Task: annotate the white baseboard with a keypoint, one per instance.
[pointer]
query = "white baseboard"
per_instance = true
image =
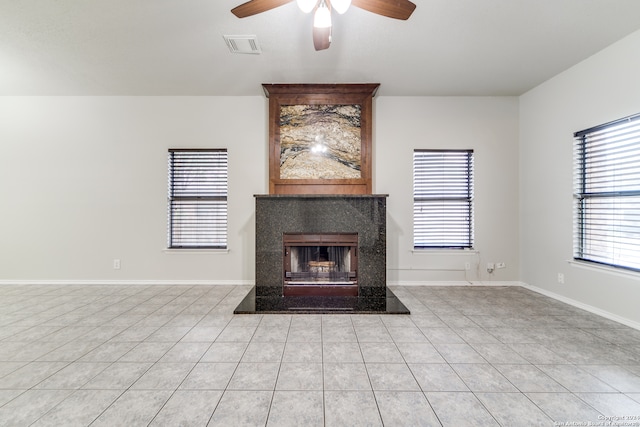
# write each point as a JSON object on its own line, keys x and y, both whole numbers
{"x": 129, "y": 282}
{"x": 454, "y": 283}
{"x": 583, "y": 306}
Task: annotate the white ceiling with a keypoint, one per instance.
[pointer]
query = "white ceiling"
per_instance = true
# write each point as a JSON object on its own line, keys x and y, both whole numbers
{"x": 176, "y": 47}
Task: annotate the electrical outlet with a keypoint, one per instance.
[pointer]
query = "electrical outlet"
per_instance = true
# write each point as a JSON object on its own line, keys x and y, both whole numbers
{"x": 490, "y": 267}
{"x": 500, "y": 265}
{"x": 116, "y": 264}
{"x": 467, "y": 266}
{"x": 560, "y": 278}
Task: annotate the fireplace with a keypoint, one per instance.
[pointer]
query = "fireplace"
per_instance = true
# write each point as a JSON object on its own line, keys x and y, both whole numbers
{"x": 320, "y": 264}
{"x": 295, "y": 233}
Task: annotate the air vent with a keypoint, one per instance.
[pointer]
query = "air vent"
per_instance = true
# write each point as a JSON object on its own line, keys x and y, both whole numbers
{"x": 243, "y": 44}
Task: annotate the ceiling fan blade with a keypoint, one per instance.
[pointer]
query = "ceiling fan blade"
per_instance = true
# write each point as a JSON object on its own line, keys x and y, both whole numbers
{"x": 253, "y": 7}
{"x": 398, "y": 9}
{"x": 321, "y": 38}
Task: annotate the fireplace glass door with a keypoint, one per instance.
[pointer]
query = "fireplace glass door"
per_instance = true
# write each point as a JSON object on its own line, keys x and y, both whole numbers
{"x": 320, "y": 264}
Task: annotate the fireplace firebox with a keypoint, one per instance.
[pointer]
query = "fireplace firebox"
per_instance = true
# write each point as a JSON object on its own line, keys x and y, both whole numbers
{"x": 320, "y": 264}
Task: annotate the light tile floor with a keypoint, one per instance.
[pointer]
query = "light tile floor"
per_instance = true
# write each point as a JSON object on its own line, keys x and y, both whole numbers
{"x": 176, "y": 355}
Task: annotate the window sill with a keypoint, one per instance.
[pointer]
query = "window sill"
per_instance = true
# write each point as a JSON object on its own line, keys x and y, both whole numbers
{"x": 444, "y": 251}
{"x": 196, "y": 251}
{"x": 605, "y": 269}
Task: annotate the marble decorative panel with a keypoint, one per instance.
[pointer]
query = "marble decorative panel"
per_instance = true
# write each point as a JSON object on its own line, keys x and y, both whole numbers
{"x": 320, "y": 141}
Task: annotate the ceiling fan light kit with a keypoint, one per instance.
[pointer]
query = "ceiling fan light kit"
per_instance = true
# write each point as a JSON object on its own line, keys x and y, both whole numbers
{"x": 341, "y": 6}
{"x": 397, "y": 9}
{"x": 322, "y": 17}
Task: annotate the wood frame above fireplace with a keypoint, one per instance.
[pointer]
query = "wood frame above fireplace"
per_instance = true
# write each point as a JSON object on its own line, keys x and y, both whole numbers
{"x": 358, "y": 96}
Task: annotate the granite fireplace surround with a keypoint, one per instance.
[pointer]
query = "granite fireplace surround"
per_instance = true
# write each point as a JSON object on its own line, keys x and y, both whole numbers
{"x": 278, "y": 214}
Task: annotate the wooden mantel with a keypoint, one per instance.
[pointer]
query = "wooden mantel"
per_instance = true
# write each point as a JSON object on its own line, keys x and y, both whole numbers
{"x": 309, "y": 90}
{"x": 284, "y": 98}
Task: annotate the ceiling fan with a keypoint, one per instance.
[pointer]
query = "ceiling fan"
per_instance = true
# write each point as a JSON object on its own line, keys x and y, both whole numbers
{"x": 398, "y": 9}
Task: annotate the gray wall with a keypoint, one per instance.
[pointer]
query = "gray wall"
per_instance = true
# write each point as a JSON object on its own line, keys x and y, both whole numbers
{"x": 487, "y": 125}
{"x": 600, "y": 89}
{"x": 85, "y": 182}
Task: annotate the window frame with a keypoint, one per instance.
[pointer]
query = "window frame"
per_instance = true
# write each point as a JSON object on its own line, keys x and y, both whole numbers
{"x": 464, "y": 241}
{"x": 604, "y": 202}
{"x": 208, "y": 197}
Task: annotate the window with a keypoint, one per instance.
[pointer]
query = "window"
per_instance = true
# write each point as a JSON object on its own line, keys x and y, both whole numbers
{"x": 607, "y": 194}
{"x": 197, "y": 199}
{"x": 442, "y": 199}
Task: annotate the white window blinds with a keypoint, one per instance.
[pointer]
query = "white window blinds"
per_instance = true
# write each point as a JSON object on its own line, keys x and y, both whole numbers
{"x": 197, "y": 199}
{"x": 443, "y": 199}
{"x": 607, "y": 194}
